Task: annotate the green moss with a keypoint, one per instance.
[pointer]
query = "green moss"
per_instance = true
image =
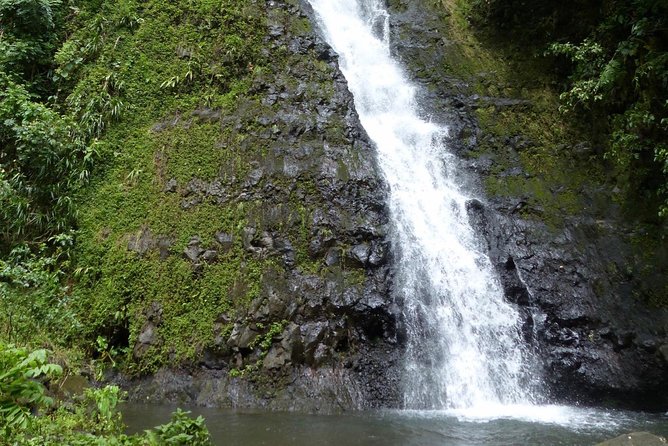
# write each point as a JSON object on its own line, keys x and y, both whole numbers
{"x": 189, "y": 115}
{"x": 552, "y": 175}
{"x": 176, "y": 59}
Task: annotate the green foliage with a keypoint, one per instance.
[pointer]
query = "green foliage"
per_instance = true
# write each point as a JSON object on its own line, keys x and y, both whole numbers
{"x": 20, "y": 391}
{"x": 620, "y": 75}
{"x": 40, "y": 166}
{"x": 160, "y": 61}
{"x": 28, "y": 38}
{"x": 613, "y": 57}
{"x": 265, "y": 341}
{"x": 34, "y": 304}
{"x": 530, "y": 25}
{"x": 92, "y": 420}
{"x": 182, "y": 430}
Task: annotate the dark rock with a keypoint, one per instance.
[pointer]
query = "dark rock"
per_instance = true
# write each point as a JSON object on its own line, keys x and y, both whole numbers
{"x": 360, "y": 254}
{"x": 664, "y": 352}
{"x": 171, "y": 186}
{"x": 142, "y": 242}
{"x": 291, "y": 341}
{"x": 635, "y": 439}
{"x": 226, "y": 241}
{"x": 207, "y": 114}
{"x": 193, "y": 251}
{"x": 378, "y": 254}
{"x": 147, "y": 338}
{"x": 276, "y": 358}
{"x": 241, "y": 337}
{"x": 333, "y": 257}
{"x": 209, "y": 256}
{"x": 312, "y": 334}
{"x": 154, "y": 313}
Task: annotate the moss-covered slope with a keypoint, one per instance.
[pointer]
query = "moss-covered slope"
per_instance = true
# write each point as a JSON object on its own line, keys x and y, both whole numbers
{"x": 236, "y": 220}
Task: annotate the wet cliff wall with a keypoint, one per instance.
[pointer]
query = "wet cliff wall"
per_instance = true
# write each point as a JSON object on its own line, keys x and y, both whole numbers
{"x": 232, "y": 247}
{"x": 579, "y": 255}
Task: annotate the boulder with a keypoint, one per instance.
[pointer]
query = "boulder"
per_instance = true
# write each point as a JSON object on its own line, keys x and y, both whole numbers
{"x": 193, "y": 251}
{"x": 635, "y": 439}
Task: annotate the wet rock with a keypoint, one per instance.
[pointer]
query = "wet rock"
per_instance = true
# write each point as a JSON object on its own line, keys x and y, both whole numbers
{"x": 254, "y": 177}
{"x": 333, "y": 257}
{"x": 276, "y": 358}
{"x": 291, "y": 341}
{"x": 193, "y": 250}
{"x": 312, "y": 334}
{"x": 321, "y": 355}
{"x": 664, "y": 352}
{"x": 171, "y": 186}
{"x": 378, "y": 254}
{"x": 635, "y": 439}
{"x": 360, "y": 254}
{"x": 241, "y": 337}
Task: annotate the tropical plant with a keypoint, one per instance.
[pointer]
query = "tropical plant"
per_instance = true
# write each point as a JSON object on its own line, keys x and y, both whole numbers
{"x": 28, "y": 38}
{"x": 40, "y": 166}
{"x": 620, "y": 77}
{"x": 182, "y": 430}
{"x": 93, "y": 419}
{"x": 20, "y": 390}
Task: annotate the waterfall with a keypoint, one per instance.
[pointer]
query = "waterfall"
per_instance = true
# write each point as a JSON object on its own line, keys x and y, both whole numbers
{"x": 464, "y": 346}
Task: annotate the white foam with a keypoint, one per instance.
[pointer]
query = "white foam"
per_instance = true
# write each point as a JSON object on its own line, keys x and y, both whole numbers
{"x": 574, "y": 418}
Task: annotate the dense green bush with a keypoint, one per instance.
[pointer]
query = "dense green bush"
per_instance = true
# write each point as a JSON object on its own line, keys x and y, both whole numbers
{"x": 613, "y": 60}
{"x": 30, "y": 31}
{"x": 20, "y": 392}
{"x": 620, "y": 77}
{"x": 40, "y": 166}
{"x": 34, "y": 305}
{"x": 29, "y": 417}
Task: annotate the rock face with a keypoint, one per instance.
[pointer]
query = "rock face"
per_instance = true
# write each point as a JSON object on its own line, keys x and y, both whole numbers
{"x": 321, "y": 335}
{"x": 581, "y": 302}
{"x": 635, "y": 439}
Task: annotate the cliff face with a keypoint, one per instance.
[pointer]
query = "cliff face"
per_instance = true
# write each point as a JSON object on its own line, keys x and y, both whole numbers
{"x": 588, "y": 276}
{"x": 236, "y": 240}
{"x": 243, "y": 259}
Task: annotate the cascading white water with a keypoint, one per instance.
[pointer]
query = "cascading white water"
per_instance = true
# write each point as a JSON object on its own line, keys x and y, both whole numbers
{"x": 464, "y": 344}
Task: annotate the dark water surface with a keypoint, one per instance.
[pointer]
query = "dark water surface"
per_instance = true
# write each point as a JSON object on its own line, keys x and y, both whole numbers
{"x": 547, "y": 425}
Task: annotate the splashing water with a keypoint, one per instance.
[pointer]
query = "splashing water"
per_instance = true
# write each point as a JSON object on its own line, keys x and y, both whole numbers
{"x": 464, "y": 344}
